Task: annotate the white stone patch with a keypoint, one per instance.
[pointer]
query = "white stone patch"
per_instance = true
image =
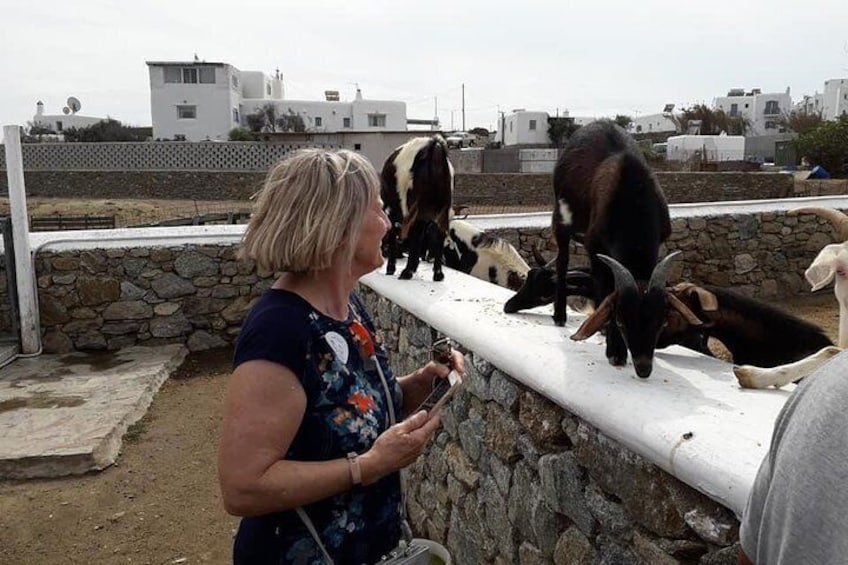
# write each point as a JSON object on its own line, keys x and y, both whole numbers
{"x": 565, "y": 212}
{"x": 403, "y": 168}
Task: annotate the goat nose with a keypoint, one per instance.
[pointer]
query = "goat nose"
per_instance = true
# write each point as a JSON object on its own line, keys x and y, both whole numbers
{"x": 643, "y": 366}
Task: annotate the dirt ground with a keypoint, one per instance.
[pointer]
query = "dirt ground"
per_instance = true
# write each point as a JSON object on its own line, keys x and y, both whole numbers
{"x": 160, "y": 503}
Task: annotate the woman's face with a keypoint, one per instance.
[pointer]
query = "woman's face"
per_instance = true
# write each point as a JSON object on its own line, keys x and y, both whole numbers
{"x": 368, "y": 255}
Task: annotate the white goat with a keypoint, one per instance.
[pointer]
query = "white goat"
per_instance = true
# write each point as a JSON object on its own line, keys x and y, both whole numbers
{"x": 830, "y": 265}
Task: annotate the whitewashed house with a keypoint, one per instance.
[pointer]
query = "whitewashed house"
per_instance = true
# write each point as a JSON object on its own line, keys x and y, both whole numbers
{"x": 199, "y": 100}
{"x": 831, "y": 103}
{"x": 709, "y": 148}
{"x": 762, "y": 110}
{"x": 525, "y": 128}
{"x": 652, "y": 123}
{"x": 69, "y": 118}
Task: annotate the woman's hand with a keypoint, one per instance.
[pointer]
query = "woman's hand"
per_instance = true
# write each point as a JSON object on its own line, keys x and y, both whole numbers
{"x": 398, "y": 446}
{"x": 418, "y": 385}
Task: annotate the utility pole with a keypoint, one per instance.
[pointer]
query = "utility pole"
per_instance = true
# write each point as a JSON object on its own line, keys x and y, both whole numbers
{"x": 435, "y": 113}
{"x": 463, "y": 106}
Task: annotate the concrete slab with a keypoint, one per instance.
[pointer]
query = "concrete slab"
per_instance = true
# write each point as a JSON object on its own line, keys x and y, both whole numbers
{"x": 66, "y": 414}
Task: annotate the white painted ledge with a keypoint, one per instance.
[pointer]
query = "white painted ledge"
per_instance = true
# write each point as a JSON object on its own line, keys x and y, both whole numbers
{"x": 686, "y": 393}
{"x": 687, "y": 210}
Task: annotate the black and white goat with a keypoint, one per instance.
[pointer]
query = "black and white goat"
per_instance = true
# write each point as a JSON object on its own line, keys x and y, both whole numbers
{"x": 417, "y": 191}
{"x": 605, "y": 190}
{"x": 830, "y": 265}
{"x": 480, "y": 254}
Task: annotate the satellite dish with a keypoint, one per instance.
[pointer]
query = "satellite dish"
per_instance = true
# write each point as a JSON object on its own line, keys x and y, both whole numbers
{"x": 74, "y": 104}
{"x": 66, "y": 110}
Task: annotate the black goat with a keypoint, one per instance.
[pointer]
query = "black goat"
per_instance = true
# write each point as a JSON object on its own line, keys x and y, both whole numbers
{"x": 754, "y": 332}
{"x": 417, "y": 189}
{"x": 605, "y": 190}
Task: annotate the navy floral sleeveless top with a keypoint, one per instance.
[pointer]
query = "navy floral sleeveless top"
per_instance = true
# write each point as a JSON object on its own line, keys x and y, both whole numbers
{"x": 346, "y": 410}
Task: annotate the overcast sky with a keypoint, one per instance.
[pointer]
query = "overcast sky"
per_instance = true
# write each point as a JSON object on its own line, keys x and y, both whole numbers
{"x": 592, "y": 58}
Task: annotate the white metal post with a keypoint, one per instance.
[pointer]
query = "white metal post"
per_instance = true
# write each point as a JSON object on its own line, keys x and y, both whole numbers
{"x": 27, "y": 303}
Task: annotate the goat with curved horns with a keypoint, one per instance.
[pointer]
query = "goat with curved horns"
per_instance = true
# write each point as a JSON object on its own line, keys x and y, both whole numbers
{"x": 604, "y": 189}
{"x": 638, "y": 312}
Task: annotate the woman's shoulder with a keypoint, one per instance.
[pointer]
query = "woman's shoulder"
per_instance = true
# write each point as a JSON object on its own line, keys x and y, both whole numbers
{"x": 278, "y": 306}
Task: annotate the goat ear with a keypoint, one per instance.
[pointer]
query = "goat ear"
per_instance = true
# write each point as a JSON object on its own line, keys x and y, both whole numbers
{"x": 684, "y": 310}
{"x": 823, "y": 268}
{"x": 596, "y": 320}
{"x": 708, "y": 300}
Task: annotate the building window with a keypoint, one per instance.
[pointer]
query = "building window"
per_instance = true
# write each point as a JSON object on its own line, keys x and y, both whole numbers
{"x": 771, "y": 125}
{"x": 186, "y": 112}
{"x": 268, "y": 89}
{"x": 173, "y": 74}
{"x": 318, "y": 121}
{"x": 377, "y": 120}
{"x": 771, "y": 108}
{"x": 532, "y": 125}
{"x": 357, "y": 147}
{"x": 58, "y": 126}
{"x": 746, "y": 105}
{"x": 189, "y": 76}
{"x": 235, "y": 82}
{"x": 734, "y": 110}
{"x": 235, "y": 115}
{"x": 510, "y": 127}
{"x": 345, "y": 122}
{"x": 207, "y": 75}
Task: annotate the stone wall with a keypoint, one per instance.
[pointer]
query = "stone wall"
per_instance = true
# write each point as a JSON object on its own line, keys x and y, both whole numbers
{"x": 99, "y": 299}
{"x": 109, "y": 299}
{"x": 761, "y": 255}
{"x": 505, "y": 189}
{"x": 514, "y": 478}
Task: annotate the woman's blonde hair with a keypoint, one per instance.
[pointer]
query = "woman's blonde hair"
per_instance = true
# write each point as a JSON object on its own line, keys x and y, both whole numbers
{"x": 312, "y": 205}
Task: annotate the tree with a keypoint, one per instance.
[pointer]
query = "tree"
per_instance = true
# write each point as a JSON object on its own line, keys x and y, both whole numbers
{"x": 712, "y": 122}
{"x": 560, "y": 129}
{"x": 243, "y": 134}
{"x": 265, "y": 119}
{"x": 800, "y": 122}
{"x": 106, "y": 130}
{"x": 623, "y": 121}
{"x": 33, "y": 133}
{"x": 827, "y": 145}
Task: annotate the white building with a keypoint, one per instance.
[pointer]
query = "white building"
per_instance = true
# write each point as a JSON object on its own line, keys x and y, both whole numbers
{"x": 57, "y": 123}
{"x": 198, "y": 101}
{"x": 652, "y": 123}
{"x": 711, "y": 148}
{"x": 832, "y": 103}
{"x": 762, "y": 110}
{"x": 525, "y": 128}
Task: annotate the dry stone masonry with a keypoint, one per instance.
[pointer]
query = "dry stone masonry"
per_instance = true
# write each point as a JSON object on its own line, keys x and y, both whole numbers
{"x": 514, "y": 478}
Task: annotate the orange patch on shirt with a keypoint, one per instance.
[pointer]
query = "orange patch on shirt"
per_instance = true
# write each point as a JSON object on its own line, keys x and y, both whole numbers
{"x": 361, "y": 401}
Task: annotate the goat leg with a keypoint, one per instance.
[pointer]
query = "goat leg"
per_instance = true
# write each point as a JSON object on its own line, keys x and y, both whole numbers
{"x": 563, "y": 238}
{"x": 750, "y": 376}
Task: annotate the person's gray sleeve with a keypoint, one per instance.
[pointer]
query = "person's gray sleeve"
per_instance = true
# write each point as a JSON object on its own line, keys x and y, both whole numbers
{"x": 797, "y": 511}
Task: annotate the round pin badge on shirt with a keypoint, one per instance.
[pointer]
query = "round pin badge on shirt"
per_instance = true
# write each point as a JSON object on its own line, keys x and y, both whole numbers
{"x": 339, "y": 346}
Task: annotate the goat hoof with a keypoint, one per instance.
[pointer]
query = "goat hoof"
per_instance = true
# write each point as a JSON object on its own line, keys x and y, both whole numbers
{"x": 390, "y": 270}
{"x": 438, "y": 276}
{"x": 405, "y": 275}
{"x": 560, "y": 323}
{"x": 617, "y": 361}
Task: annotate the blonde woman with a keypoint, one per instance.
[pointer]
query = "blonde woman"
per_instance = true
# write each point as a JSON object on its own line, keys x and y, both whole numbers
{"x": 307, "y": 420}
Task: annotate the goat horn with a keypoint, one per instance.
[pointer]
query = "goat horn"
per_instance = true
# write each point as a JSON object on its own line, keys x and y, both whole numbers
{"x": 837, "y": 218}
{"x": 660, "y": 273}
{"x": 684, "y": 310}
{"x": 623, "y": 278}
